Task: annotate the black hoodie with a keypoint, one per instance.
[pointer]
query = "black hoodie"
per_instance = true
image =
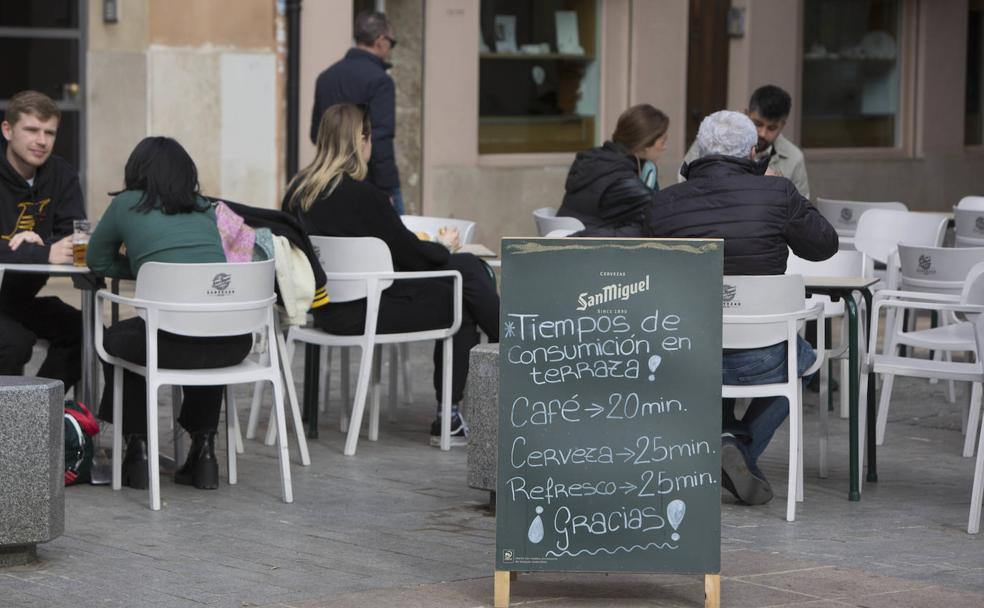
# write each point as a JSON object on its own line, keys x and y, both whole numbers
{"x": 47, "y": 208}
{"x": 603, "y": 187}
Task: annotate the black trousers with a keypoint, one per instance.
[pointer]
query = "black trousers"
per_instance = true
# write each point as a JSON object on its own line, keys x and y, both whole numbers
{"x": 201, "y": 405}
{"x": 415, "y": 305}
{"x": 48, "y": 318}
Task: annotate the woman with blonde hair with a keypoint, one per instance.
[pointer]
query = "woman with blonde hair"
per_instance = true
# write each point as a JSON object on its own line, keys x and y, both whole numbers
{"x": 331, "y": 198}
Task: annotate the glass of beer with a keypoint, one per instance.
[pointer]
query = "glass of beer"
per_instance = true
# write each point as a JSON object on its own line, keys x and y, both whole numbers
{"x": 80, "y": 240}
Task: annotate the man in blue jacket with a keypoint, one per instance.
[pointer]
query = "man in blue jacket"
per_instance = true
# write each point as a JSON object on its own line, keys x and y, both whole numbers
{"x": 361, "y": 78}
{"x": 39, "y": 198}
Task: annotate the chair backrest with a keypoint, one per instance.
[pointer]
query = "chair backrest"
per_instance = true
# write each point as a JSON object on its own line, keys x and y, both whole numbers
{"x": 431, "y": 225}
{"x": 881, "y": 230}
{"x": 759, "y": 295}
{"x": 547, "y": 220}
{"x": 844, "y": 263}
{"x": 937, "y": 269}
{"x": 844, "y": 215}
{"x": 968, "y": 226}
{"x": 361, "y": 254}
{"x": 971, "y": 202}
{"x": 209, "y": 284}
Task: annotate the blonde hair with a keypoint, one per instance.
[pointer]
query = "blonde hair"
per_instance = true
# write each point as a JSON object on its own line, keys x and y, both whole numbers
{"x": 340, "y": 134}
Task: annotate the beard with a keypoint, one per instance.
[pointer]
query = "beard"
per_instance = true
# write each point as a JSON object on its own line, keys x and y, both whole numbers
{"x": 762, "y": 146}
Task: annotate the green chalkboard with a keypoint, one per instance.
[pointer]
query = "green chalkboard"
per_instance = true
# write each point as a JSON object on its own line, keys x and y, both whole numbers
{"x": 610, "y": 406}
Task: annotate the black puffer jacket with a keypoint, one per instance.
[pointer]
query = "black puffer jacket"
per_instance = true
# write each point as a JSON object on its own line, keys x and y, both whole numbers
{"x": 758, "y": 216}
{"x": 603, "y": 187}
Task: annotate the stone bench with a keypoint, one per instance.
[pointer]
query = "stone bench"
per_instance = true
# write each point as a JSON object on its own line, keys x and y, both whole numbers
{"x": 32, "y": 466}
{"x": 482, "y": 414}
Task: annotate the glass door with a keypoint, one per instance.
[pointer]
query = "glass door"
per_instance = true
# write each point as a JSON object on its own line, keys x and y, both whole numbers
{"x": 42, "y": 45}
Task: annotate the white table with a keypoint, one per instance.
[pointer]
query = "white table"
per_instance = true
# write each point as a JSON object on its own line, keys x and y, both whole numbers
{"x": 87, "y": 390}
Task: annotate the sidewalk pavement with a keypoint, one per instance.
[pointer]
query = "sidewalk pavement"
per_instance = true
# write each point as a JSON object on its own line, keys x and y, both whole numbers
{"x": 396, "y": 525}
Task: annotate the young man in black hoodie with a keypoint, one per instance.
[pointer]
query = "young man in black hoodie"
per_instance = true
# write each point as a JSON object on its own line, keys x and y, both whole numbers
{"x": 39, "y": 198}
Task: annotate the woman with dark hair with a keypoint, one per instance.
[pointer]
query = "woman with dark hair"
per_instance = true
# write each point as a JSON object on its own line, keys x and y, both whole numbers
{"x": 331, "y": 199}
{"x": 607, "y": 186}
{"x": 160, "y": 216}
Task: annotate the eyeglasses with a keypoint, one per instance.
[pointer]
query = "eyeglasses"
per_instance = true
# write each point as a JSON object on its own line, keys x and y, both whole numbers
{"x": 392, "y": 41}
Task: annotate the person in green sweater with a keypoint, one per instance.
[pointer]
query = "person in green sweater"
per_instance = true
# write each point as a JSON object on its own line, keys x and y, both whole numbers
{"x": 160, "y": 216}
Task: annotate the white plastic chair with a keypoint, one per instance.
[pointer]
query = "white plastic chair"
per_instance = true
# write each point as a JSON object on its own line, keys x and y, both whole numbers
{"x": 841, "y": 264}
{"x": 201, "y": 300}
{"x": 765, "y": 310}
{"x": 938, "y": 276}
{"x": 843, "y": 215}
{"x": 968, "y": 227}
{"x": 968, "y": 306}
{"x": 431, "y": 225}
{"x": 547, "y": 220}
{"x": 559, "y": 234}
{"x": 975, "y": 203}
{"x": 361, "y": 268}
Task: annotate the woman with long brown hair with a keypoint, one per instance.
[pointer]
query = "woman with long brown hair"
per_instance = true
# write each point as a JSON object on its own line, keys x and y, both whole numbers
{"x": 608, "y": 185}
{"x": 331, "y": 199}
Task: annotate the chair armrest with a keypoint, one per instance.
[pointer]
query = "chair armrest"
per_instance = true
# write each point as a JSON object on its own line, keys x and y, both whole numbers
{"x": 912, "y": 305}
{"x": 803, "y": 314}
{"x": 923, "y": 296}
{"x": 384, "y": 276}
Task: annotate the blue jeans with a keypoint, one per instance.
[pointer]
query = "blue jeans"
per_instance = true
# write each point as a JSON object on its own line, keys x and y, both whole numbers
{"x": 397, "y": 197}
{"x": 765, "y": 365}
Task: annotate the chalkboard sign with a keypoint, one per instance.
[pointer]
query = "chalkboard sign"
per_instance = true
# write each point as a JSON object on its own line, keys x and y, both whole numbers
{"x": 610, "y": 406}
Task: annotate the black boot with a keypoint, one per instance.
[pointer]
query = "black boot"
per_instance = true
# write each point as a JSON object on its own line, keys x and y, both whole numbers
{"x": 200, "y": 469}
{"x": 135, "y": 462}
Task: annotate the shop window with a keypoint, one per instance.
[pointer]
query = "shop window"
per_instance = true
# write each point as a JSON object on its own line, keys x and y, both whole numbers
{"x": 538, "y": 76}
{"x": 973, "y": 125}
{"x": 851, "y": 69}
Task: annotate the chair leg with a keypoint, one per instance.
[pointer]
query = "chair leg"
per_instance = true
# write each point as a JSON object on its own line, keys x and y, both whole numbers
{"x": 324, "y": 392}
{"x": 345, "y": 373}
{"x": 117, "y": 427}
{"x": 238, "y": 430}
{"x": 822, "y": 409}
{"x": 295, "y": 410}
{"x": 799, "y": 455}
{"x": 394, "y": 381}
{"x": 791, "y": 490}
{"x": 405, "y": 371}
{"x": 153, "y": 448}
{"x": 282, "y": 455}
{"x": 359, "y": 405}
{"x": 230, "y": 412}
{"x": 446, "y": 396}
{"x": 972, "y": 420}
{"x": 974, "y": 519}
{"x": 883, "y": 402}
{"x": 374, "y": 388}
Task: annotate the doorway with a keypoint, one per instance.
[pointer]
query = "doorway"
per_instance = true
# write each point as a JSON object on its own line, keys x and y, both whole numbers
{"x": 707, "y": 62}
{"x": 42, "y": 43}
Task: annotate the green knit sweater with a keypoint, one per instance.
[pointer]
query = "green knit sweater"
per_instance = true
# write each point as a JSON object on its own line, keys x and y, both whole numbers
{"x": 189, "y": 238}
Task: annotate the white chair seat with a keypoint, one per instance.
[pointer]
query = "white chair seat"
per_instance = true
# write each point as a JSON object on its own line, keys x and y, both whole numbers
{"x": 959, "y": 337}
{"x": 926, "y": 368}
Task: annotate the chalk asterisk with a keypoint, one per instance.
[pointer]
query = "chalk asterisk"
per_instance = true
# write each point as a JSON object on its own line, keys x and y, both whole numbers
{"x": 510, "y": 329}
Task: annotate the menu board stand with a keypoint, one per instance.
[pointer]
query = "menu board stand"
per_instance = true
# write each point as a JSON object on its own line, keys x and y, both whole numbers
{"x": 610, "y": 409}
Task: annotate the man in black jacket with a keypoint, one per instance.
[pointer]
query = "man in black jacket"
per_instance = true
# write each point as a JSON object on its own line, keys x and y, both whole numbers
{"x": 760, "y": 218}
{"x": 361, "y": 78}
{"x": 39, "y": 198}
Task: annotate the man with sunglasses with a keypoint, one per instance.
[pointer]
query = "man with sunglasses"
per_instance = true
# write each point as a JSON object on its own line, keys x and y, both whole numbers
{"x": 361, "y": 78}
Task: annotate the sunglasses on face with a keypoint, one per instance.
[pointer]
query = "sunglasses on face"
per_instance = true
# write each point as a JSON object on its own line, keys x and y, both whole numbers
{"x": 392, "y": 41}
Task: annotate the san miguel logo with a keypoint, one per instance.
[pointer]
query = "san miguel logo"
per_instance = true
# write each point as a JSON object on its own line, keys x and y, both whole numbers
{"x": 979, "y": 224}
{"x": 612, "y": 292}
{"x": 846, "y": 214}
{"x": 728, "y": 296}
{"x": 926, "y": 264}
{"x": 220, "y": 285}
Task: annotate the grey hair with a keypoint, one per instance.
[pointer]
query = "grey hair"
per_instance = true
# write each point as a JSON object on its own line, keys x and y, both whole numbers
{"x": 369, "y": 27}
{"x": 727, "y": 133}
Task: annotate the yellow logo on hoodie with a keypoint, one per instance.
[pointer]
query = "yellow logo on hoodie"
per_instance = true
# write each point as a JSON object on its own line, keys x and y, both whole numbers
{"x": 27, "y": 219}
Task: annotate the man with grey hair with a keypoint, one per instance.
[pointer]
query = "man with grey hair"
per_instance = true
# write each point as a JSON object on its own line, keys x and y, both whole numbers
{"x": 760, "y": 218}
{"x": 360, "y": 78}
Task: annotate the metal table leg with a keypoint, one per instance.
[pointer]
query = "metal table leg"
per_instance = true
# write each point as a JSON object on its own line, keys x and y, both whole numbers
{"x": 852, "y": 315}
{"x": 870, "y": 439}
{"x": 312, "y": 373}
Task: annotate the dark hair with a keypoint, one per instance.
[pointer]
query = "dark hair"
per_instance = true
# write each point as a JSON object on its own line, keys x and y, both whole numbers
{"x": 770, "y": 102}
{"x": 164, "y": 171}
{"x": 369, "y": 27}
{"x": 31, "y": 102}
{"x": 639, "y": 127}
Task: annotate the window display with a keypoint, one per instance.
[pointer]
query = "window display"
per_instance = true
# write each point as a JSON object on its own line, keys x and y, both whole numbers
{"x": 538, "y": 76}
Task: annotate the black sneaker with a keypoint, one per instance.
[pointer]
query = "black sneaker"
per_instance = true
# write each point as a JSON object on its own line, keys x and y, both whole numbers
{"x": 739, "y": 479}
{"x": 459, "y": 431}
